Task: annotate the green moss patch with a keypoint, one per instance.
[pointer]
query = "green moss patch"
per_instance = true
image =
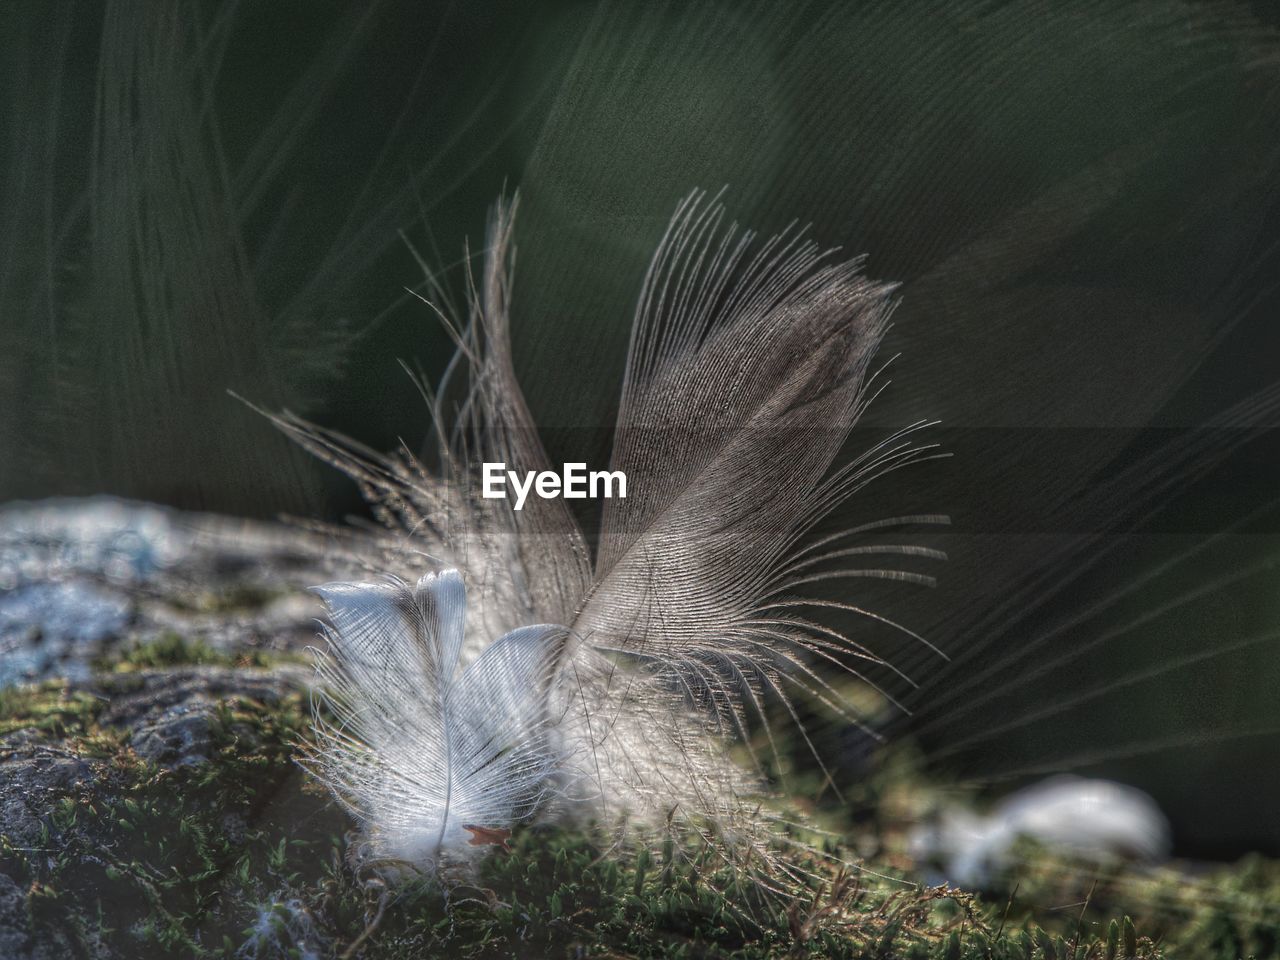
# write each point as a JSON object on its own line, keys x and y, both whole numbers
{"x": 48, "y": 708}
{"x": 239, "y": 855}
{"x": 171, "y": 649}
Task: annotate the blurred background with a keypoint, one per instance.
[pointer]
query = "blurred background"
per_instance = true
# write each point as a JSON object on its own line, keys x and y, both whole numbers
{"x": 1079, "y": 199}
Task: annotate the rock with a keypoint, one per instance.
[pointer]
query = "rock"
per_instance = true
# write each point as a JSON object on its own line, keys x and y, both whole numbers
{"x": 1095, "y": 821}
{"x": 137, "y": 696}
{"x": 178, "y": 736}
{"x": 15, "y": 930}
{"x": 31, "y": 778}
{"x": 82, "y": 579}
{"x": 286, "y": 622}
{"x": 18, "y": 821}
{"x": 87, "y": 832}
{"x": 56, "y": 629}
{"x": 97, "y": 537}
{"x": 86, "y": 826}
{"x": 173, "y": 715}
{"x": 21, "y": 939}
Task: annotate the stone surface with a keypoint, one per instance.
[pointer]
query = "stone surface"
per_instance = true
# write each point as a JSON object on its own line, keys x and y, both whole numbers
{"x": 31, "y": 778}
{"x": 15, "y": 936}
{"x": 55, "y": 628}
{"x": 84, "y": 586}
{"x": 171, "y": 715}
{"x": 80, "y": 580}
{"x": 173, "y": 720}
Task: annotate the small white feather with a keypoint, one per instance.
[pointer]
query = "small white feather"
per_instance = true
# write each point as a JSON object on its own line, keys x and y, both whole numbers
{"x": 427, "y": 752}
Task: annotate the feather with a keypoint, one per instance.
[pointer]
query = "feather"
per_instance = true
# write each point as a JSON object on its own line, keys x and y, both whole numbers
{"x": 743, "y": 381}
{"x": 425, "y": 750}
{"x": 749, "y": 365}
{"x": 747, "y": 369}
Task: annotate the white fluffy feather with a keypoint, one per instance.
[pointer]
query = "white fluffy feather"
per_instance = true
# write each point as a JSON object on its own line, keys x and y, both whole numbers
{"x": 424, "y": 748}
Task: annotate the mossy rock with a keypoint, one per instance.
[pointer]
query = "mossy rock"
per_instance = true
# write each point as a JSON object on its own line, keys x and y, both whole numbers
{"x": 158, "y": 811}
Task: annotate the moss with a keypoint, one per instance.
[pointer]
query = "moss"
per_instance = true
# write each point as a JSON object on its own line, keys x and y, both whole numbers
{"x": 242, "y": 856}
{"x": 50, "y": 708}
{"x": 171, "y": 649}
{"x": 170, "y": 857}
{"x": 233, "y": 598}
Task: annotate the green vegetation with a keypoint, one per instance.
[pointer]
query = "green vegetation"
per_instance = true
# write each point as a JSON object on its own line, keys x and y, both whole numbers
{"x": 231, "y": 598}
{"x": 172, "y": 649}
{"x": 49, "y": 708}
{"x": 242, "y": 856}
